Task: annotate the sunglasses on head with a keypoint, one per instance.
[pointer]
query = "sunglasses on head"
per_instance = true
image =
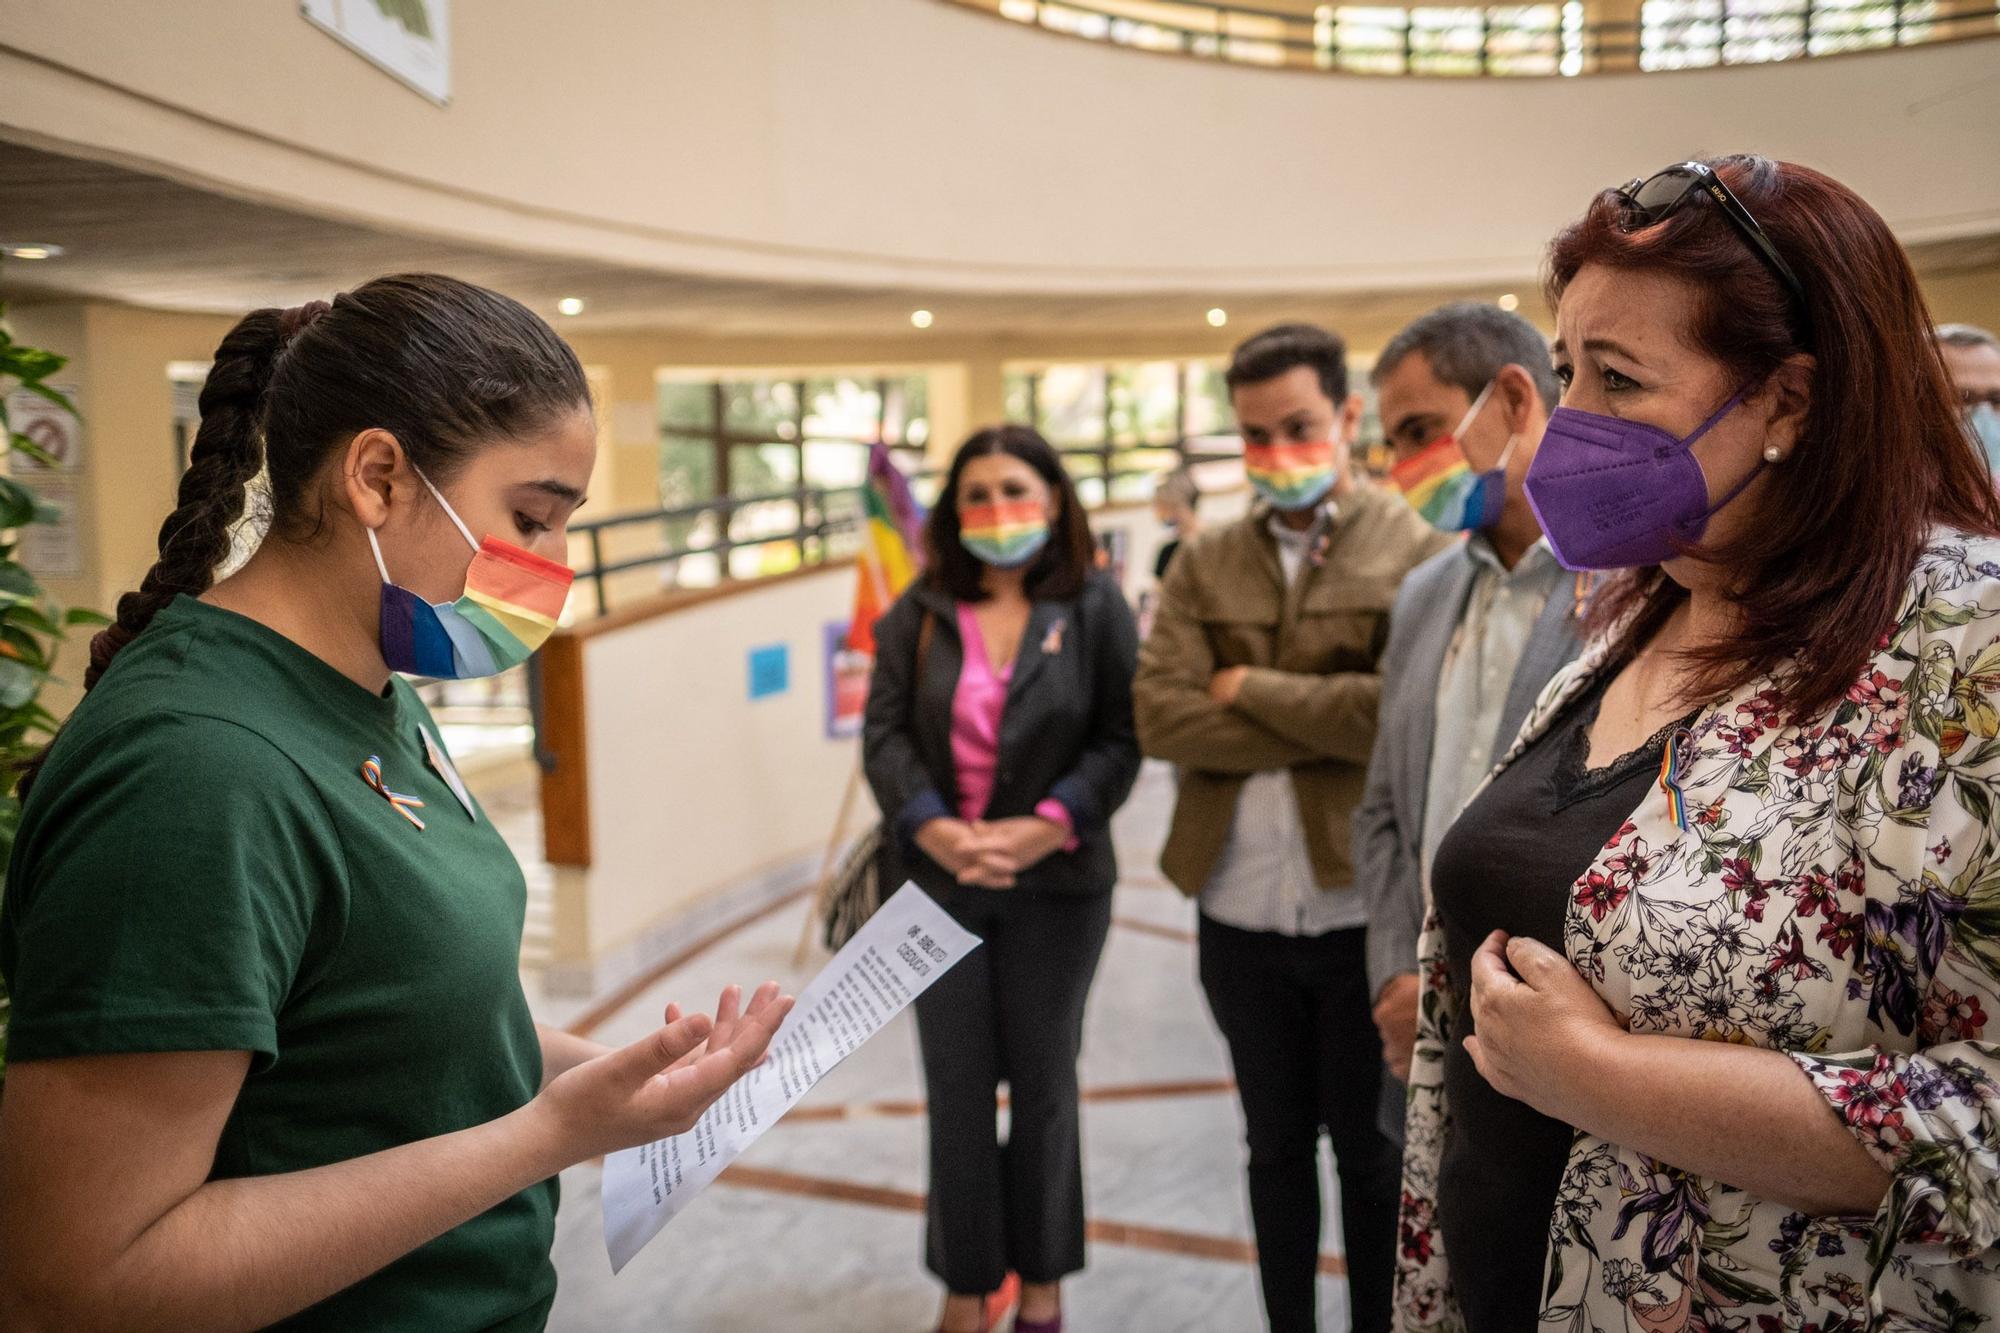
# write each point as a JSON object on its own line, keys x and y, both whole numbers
{"x": 1659, "y": 195}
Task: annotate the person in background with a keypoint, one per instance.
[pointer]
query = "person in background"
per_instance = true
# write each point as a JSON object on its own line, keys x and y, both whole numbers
{"x": 270, "y": 1061}
{"x": 998, "y": 742}
{"x": 1176, "y": 504}
{"x": 1261, "y": 680}
{"x": 1972, "y": 357}
{"x": 1477, "y": 629}
{"x": 1712, "y": 958}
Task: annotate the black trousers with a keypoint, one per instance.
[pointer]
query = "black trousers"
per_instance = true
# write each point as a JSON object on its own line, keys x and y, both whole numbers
{"x": 1296, "y": 1014}
{"x": 1012, "y": 1012}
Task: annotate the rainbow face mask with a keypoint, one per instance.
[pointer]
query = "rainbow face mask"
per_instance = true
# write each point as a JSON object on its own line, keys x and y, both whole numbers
{"x": 1005, "y": 535}
{"x": 1441, "y": 485}
{"x": 511, "y": 602}
{"x": 1291, "y": 476}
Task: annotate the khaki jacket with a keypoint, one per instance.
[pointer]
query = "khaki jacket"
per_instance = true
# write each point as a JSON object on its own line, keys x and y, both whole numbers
{"x": 1309, "y": 701}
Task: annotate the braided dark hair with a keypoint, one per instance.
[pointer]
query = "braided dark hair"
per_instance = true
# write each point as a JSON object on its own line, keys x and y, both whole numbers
{"x": 444, "y": 366}
{"x": 227, "y": 453}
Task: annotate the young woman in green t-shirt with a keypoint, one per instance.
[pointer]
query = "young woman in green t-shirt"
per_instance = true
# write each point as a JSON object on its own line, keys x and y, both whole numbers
{"x": 271, "y": 1061}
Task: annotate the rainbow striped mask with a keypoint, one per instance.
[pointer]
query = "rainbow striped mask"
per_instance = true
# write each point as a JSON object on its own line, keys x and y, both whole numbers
{"x": 1441, "y": 485}
{"x": 1290, "y": 476}
{"x": 1005, "y": 535}
{"x": 511, "y": 602}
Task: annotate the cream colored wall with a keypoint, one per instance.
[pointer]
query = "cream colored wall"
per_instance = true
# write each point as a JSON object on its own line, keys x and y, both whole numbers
{"x": 912, "y": 143}
{"x": 118, "y": 363}
{"x": 693, "y": 785}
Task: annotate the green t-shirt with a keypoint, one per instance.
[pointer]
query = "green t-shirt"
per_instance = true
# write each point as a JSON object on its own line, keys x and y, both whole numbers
{"x": 204, "y": 866}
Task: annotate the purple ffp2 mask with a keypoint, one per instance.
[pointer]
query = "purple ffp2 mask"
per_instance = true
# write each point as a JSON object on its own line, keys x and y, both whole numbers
{"x": 1617, "y": 494}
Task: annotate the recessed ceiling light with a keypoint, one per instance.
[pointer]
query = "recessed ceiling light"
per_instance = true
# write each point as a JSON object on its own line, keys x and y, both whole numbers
{"x": 1510, "y": 302}
{"x": 30, "y": 250}
{"x": 1217, "y": 317}
{"x": 921, "y": 318}
{"x": 570, "y": 305}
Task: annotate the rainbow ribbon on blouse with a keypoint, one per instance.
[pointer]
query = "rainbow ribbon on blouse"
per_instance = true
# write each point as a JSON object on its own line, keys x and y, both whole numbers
{"x": 1673, "y": 775}
{"x": 406, "y": 806}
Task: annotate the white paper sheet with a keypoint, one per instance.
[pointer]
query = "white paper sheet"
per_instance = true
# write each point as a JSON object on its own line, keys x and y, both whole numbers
{"x": 908, "y": 944}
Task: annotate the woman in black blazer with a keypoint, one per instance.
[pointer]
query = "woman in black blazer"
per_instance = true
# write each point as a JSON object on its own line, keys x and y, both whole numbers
{"x": 997, "y": 761}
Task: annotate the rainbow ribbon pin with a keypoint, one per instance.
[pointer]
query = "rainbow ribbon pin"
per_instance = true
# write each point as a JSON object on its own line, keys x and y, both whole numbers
{"x": 406, "y": 806}
{"x": 1673, "y": 773}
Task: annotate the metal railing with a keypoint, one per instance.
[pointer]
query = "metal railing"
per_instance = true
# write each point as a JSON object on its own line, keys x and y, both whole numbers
{"x": 1522, "y": 40}
{"x": 825, "y": 526}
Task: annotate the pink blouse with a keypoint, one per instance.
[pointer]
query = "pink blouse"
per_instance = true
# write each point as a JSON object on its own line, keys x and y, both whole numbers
{"x": 976, "y": 706}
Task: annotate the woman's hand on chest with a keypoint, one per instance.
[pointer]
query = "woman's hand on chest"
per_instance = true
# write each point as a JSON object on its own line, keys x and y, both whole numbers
{"x": 1540, "y": 1030}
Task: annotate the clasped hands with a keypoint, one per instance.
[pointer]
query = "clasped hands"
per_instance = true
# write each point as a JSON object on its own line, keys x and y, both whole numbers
{"x": 989, "y": 854}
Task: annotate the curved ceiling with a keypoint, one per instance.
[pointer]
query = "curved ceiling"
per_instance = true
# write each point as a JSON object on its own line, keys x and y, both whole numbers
{"x": 911, "y": 145}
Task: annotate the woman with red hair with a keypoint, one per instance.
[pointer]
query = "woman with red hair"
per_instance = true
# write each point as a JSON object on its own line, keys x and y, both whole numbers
{"x": 1710, "y": 957}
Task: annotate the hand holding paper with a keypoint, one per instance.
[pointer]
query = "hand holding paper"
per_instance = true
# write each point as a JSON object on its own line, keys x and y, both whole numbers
{"x": 905, "y": 947}
{"x": 662, "y": 1084}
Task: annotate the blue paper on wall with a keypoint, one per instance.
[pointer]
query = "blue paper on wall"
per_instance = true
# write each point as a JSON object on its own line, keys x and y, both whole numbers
{"x": 770, "y": 670}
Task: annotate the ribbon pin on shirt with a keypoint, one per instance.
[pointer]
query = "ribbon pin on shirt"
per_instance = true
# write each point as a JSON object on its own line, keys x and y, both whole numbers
{"x": 406, "y": 806}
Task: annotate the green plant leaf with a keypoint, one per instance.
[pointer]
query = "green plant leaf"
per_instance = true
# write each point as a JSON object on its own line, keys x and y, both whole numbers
{"x": 83, "y": 615}
{"x": 17, "y": 580}
{"x": 18, "y": 683}
{"x": 21, "y": 444}
{"x": 29, "y": 364}
{"x": 17, "y": 504}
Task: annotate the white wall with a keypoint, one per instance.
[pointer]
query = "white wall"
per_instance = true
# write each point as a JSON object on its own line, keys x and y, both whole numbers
{"x": 913, "y": 142}
{"x": 694, "y": 787}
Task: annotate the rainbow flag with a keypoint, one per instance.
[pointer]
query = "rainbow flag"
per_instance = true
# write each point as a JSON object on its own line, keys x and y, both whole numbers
{"x": 891, "y": 543}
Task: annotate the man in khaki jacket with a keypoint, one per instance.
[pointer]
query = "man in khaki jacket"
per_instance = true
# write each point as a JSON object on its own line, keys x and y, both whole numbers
{"x": 1260, "y": 682}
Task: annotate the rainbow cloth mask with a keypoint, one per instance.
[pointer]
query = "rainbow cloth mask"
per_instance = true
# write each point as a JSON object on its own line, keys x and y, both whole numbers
{"x": 1006, "y": 535}
{"x": 509, "y": 608}
{"x": 1290, "y": 476}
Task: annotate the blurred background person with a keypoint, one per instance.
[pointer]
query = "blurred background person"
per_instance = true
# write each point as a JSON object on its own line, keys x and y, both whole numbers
{"x": 1260, "y": 681}
{"x": 1478, "y": 629}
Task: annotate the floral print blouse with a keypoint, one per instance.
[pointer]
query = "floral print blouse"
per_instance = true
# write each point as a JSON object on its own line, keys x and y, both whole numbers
{"x": 1836, "y": 896}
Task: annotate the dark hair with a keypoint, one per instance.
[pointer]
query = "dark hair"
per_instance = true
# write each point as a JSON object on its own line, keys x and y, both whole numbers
{"x": 1269, "y": 354}
{"x": 1065, "y": 562}
{"x": 1467, "y": 343}
{"x": 442, "y": 365}
{"x": 1881, "y": 458}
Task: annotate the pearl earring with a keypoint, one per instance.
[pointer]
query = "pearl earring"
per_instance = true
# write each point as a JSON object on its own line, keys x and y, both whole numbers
{"x": 1773, "y": 454}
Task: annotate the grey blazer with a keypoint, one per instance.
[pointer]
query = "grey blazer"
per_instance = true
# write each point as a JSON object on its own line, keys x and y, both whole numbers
{"x": 1389, "y": 822}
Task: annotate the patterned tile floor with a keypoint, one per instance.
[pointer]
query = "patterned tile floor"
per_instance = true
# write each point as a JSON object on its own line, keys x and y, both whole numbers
{"x": 820, "y": 1225}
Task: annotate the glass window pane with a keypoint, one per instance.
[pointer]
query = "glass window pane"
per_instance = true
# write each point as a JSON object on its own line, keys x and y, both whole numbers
{"x": 1019, "y": 395}
{"x": 1369, "y": 38}
{"x": 836, "y": 464}
{"x": 845, "y": 408}
{"x": 1071, "y": 403}
{"x": 687, "y": 470}
{"x": 906, "y": 411}
{"x": 1679, "y": 34}
{"x": 1208, "y": 401}
{"x": 688, "y": 404}
{"x": 763, "y": 469}
{"x": 1145, "y": 403}
{"x": 761, "y": 407}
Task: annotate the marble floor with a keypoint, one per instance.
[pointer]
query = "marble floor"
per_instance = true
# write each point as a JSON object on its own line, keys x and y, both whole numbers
{"x": 819, "y": 1226}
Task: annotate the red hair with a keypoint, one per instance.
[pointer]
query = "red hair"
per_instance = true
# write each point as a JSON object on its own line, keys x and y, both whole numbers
{"x": 1882, "y": 457}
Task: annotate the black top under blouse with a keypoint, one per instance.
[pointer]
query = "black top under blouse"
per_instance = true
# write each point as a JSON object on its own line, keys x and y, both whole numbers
{"x": 1509, "y": 863}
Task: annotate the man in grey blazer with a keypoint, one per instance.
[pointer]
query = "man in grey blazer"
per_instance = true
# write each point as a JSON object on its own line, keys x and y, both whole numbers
{"x": 1477, "y": 630}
